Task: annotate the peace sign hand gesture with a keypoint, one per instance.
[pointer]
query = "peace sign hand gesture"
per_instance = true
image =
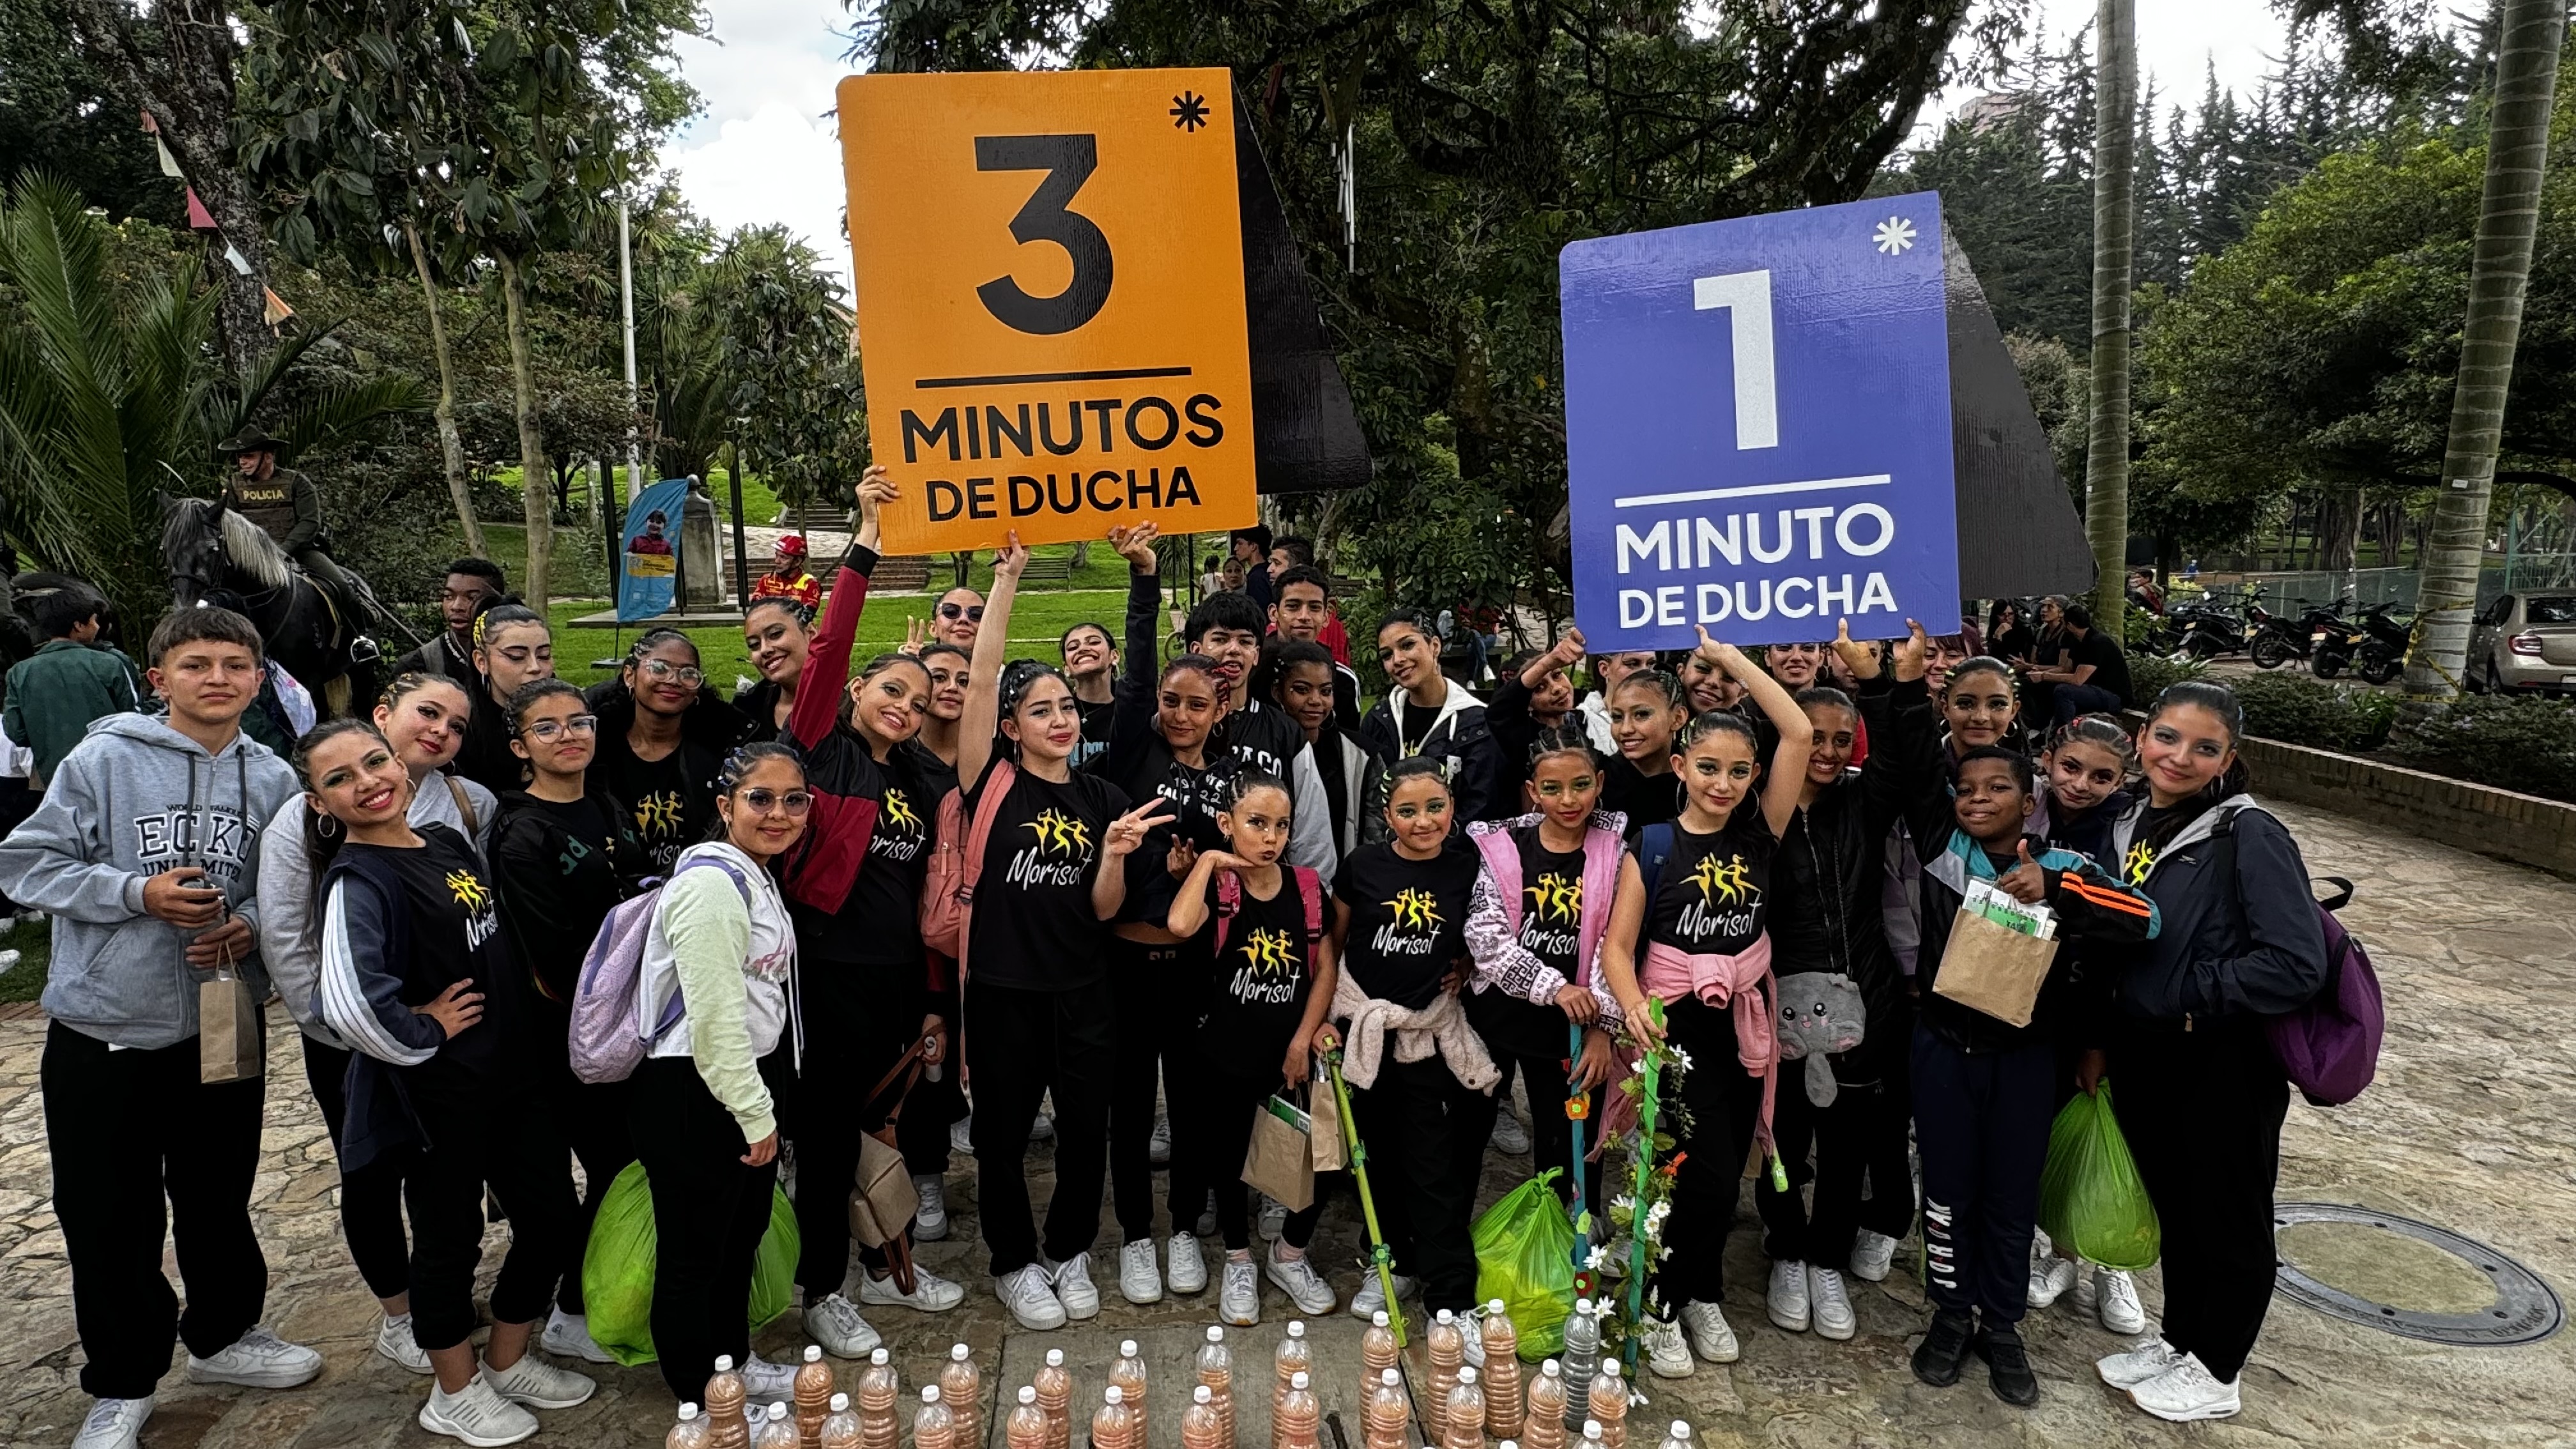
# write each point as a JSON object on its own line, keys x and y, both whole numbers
{"x": 914, "y": 636}
{"x": 1128, "y": 831}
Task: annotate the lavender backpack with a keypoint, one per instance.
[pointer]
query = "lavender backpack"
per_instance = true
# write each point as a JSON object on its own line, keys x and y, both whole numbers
{"x": 2329, "y": 1048}
{"x": 607, "y": 1041}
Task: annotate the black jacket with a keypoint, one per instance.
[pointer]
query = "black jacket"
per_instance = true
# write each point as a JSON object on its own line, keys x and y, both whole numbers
{"x": 1465, "y": 739}
{"x": 1826, "y": 879}
{"x": 554, "y": 891}
{"x": 2240, "y": 930}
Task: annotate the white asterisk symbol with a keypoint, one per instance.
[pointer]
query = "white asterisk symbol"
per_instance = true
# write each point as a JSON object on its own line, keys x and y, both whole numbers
{"x": 1894, "y": 235}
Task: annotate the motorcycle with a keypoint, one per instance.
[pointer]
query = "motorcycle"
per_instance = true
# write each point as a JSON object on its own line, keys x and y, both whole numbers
{"x": 2279, "y": 639}
{"x": 2205, "y": 629}
{"x": 2373, "y": 646}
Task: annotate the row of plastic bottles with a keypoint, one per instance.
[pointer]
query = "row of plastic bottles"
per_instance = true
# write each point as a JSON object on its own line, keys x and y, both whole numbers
{"x": 824, "y": 1418}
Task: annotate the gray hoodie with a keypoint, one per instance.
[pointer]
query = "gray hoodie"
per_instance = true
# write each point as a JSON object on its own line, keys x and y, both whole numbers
{"x": 133, "y": 799}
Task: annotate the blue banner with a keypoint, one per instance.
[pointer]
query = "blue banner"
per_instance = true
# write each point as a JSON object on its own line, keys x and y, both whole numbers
{"x": 649, "y": 575}
{"x": 1757, "y": 423}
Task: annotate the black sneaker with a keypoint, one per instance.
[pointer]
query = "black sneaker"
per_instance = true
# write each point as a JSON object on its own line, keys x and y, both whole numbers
{"x": 1944, "y": 1347}
{"x": 2007, "y": 1364}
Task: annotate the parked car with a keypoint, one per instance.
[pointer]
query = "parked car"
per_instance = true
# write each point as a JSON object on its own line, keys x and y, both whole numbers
{"x": 2525, "y": 642}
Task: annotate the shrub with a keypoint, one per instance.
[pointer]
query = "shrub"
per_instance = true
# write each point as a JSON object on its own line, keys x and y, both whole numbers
{"x": 2513, "y": 742}
{"x": 2302, "y": 711}
{"x": 2150, "y": 673}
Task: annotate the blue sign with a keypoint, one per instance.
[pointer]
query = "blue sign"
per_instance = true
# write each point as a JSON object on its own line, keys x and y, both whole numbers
{"x": 1757, "y": 421}
{"x": 650, "y": 573}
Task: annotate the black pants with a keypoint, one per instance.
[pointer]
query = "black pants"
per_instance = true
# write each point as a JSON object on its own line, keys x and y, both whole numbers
{"x": 934, "y": 1107}
{"x": 826, "y": 1113}
{"x": 710, "y": 1209}
{"x": 124, "y": 1129}
{"x": 1156, "y": 993}
{"x": 594, "y": 1116}
{"x": 494, "y": 1142}
{"x": 1019, "y": 1044}
{"x": 2202, "y": 1111}
{"x": 371, "y": 1209}
{"x": 1981, "y": 1120}
{"x": 1212, "y": 1134}
{"x": 2080, "y": 699}
{"x": 1725, "y": 1103}
{"x": 1551, "y": 1131}
{"x": 1425, "y": 1134}
{"x": 1860, "y": 1138}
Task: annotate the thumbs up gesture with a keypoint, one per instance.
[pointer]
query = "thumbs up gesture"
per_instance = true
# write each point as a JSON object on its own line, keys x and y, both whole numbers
{"x": 2026, "y": 882}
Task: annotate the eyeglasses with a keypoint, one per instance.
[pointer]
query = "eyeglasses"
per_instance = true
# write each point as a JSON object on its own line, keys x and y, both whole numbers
{"x": 578, "y": 726}
{"x": 762, "y": 802}
{"x": 974, "y": 612}
{"x": 688, "y": 674}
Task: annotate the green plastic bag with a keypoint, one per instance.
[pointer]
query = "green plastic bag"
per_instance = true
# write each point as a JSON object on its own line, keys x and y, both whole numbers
{"x": 2091, "y": 1198}
{"x": 1525, "y": 1257}
{"x": 617, "y": 1268}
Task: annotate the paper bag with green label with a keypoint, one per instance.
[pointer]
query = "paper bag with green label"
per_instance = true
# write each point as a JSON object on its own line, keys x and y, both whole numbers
{"x": 1281, "y": 1160}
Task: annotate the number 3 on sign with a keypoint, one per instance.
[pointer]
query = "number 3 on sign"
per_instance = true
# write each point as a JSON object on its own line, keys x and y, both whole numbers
{"x": 1746, "y": 296}
{"x": 1068, "y": 162}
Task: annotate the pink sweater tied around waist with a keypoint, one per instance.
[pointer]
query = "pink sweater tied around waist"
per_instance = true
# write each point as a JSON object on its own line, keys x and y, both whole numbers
{"x": 1742, "y": 983}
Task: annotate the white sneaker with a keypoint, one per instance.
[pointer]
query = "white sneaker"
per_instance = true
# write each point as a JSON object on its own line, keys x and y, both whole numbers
{"x": 1510, "y": 1138}
{"x": 533, "y": 1383}
{"x": 1711, "y": 1336}
{"x": 1667, "y": 1356}
{"x": 961, "y": 1135}
{"x": 114, "y": 1424}
{"x": 1372, "y": 1295}
{"x": 2050, "y": 1277}
{"x": 476, "y": 1414}
{"x": 1787, "y": 1300}
{"x": 2185, "y": 1393}
{"x": 1274, "y": 1219}
{"x": 764, "y": 1382}
{"x": 1158, "y": 1148}
{"x": 258, "y": 1359}
{"x": 1073, "y": 1287}
{"x": 2115, "y": 1301}
{"x": 394, "y": 1341}
{"x": 1030, "y": 1295}
{"x": 1829, "y": 1306}
{"x": 566, "y": 1335}
{"x": 1298, "y": 1279}
{"x": 930, "y": 1220}
{"x": 1139, "y": 1281}
{"x": 2134, "y": 1367}
{"x": 1183, "y": 1267}
{"x": 930, "y": 1292}
{"x": 834, "y": 1322}
{"x": 10, "y": 958}
{"x": 1872, "y": 1255}
{"x": 1238, "y": 1297}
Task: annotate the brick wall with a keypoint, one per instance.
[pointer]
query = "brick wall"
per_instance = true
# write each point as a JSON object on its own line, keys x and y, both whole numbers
{"x": 2524, "y": 829}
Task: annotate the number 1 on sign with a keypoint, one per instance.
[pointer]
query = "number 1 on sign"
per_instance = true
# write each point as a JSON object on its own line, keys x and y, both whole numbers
{"x": 1747, "y": 295}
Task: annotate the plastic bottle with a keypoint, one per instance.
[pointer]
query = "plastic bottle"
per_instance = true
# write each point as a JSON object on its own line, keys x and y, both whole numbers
{"x": 1582, "y": 1360}
{"x": 840, "y": 1427}
{"x": 1127, "y": 1373}
{"x": 1545, "y": 1426}
{"x": 813, "y": 1397}
{"x": 1608, "y": 1403}
{"x": 1200, "y": 1426}
{"x": 1294, "y": 1356}
{"x": 1591, "y": 1435}
{"x": 961, "y": 1388}
{"x": 1447, "y": 1347}
{"x": 1387, "y": 1415}
{"x": 1300, "y": 1416}
{"x": 726, "y": 1428}
{"x": 878, "y": 1387}
{"x": 1055, "y": 1400}
{"x": 1502, "y": 1373}
{"x": 1464, "y": 1423}
{"x": 1377, "y": 1354}
{"x": 1113, "y": 1426}
{"x": 778, "y": 1430}
{"x": 1026, "y": 1428}
{"x": 1216, "y": 1375}
{"x": 690, "y": 1432}
{"x": 933, "y": 1427}
{"x": 1678, "y": 1437}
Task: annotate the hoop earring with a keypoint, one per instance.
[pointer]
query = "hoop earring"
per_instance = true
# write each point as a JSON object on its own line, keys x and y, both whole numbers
{"x": 327, "y": 826}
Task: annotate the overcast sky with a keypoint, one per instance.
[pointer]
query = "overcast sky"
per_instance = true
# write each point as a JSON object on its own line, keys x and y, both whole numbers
{"x": 764, "y": 151}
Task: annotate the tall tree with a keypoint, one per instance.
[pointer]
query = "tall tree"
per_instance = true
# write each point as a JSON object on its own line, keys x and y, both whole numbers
{"x": 2106, "y": 453}
{"x": 2508, "y": 216}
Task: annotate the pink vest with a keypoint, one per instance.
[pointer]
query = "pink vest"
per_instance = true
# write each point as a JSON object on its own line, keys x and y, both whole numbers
{"x": 1602, "y": 849}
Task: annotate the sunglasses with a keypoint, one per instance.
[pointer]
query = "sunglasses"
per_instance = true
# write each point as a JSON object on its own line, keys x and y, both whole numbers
{"x": 688, "y": 674}
{"x": 762, "y": 802}
{"x": 578, "y": 726}
{"x": 974, "y": 612}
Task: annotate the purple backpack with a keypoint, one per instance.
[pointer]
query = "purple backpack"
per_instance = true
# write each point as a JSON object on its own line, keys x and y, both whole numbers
{"x": 605, "y": 1041}
{"x": 2329, "y": 1048}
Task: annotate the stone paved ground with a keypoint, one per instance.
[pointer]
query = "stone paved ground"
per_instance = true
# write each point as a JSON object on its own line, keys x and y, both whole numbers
{"x": 2472, "y": 1126}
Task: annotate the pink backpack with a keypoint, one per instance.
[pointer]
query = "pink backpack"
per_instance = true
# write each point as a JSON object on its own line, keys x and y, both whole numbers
{"x": 1229, "y": 900}
{"x": 956, "y": 862}
{"x": 606, "y": 1039}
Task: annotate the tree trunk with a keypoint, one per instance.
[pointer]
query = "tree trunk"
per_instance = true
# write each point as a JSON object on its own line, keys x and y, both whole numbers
{"x": 2106, "y": 449}
{"x": 451, "y": 446}
{"x": 2508, "y": 213}
{"x": 536, "y": 499}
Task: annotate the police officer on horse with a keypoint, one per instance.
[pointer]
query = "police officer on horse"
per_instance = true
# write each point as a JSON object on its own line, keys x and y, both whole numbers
{"x": 288, "y": 508}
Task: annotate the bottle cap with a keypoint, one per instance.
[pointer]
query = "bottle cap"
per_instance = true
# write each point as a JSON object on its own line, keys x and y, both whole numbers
{"x": 1443, "y": 1316}
{"x": 1378, "y": 1319}
{"x": 840, "y": 1403}
{"x": 1055, "y": 1357}
{"x": 1550, "y": 1367}
{"x": 1215, "y": 1334}
{"x": 688, "y": 1412}
{"x": 1680, "y": 1429}
{"x": 1494, "y": 1309}
{"x": 1583, "y": 1305}
{"x": 813, "y": 1353}
{"x": 930, "y": 1393}
{"x": 1390, "y": 1378}
{"x": 1114, "y": 1394}
{"x": 1592, "y": 1428}
{"x": 1466, "y": 1373}
{"x": 1202, "y": 1395}
{"x": 879, "y": 1357}
{"x": 1296, "y": 1328}
{"x": 960, "y": 1353}
{"x": 724, "y": 1363}
{"x": 777, "y": 1411}
{"x": 1126, "y": 1348}
{"x": 1610, "y": 1366}
{"x": 1297, "y": 1380}
{"x": 1028, "y": 1395}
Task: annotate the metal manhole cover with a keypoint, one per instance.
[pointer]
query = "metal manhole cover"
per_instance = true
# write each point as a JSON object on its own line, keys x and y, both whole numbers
{"x": 2525, "y": 1310}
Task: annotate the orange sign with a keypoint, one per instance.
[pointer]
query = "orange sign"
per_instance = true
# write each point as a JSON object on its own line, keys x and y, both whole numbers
{"x": 1050, "y": 302}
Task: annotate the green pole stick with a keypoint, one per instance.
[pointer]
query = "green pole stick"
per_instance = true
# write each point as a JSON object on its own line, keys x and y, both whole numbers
{"x": 1379, "y": 1256}
{"x": 1646, "y": 1113}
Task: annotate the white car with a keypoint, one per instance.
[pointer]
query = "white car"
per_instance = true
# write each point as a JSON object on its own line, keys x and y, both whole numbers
{"x": 2525, "y": 642}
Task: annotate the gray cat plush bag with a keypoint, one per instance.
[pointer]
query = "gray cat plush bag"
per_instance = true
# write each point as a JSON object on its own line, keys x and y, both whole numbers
{"x": 1820, "y": 1014}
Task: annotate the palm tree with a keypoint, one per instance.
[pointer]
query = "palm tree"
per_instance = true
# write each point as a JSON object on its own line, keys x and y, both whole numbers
{"x": 2106, "y": 449}
{"x": 2508, "y": 214}
{"x": 107, "y": 400}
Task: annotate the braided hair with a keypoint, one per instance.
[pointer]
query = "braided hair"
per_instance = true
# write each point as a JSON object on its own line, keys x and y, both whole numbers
{"x": 739, "y": 765}
{"x": 321, "y": 841}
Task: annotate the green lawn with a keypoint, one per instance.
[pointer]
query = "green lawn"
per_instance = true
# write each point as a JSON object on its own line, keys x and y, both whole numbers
{"x": 33, "y": 940}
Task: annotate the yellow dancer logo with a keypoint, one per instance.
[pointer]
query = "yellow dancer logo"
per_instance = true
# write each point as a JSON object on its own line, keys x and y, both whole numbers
{"x": 1555, "y": 899}
{"x": 1415, "y": 909}
{"x": 1266, "y": 953}
{"x": 658, "y": 814}
{"x": 898, "y": 815}
{"x": 1727, "y": 882}
{"x": 2135, "y": 865}
{"x": 470, "y": 893}
{"x": 1060, "y": 834}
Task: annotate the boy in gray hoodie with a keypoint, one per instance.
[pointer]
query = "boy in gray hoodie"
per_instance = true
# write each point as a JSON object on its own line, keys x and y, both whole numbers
{"x": 145, "y": 855}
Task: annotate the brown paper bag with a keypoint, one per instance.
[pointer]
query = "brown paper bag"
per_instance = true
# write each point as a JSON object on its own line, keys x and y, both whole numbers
{"x": 231, "y": 1030}
{"x": 1280, "y": 1161}
{"x": 1325, "y": 1140}
{"x": 1995, "y": 969}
